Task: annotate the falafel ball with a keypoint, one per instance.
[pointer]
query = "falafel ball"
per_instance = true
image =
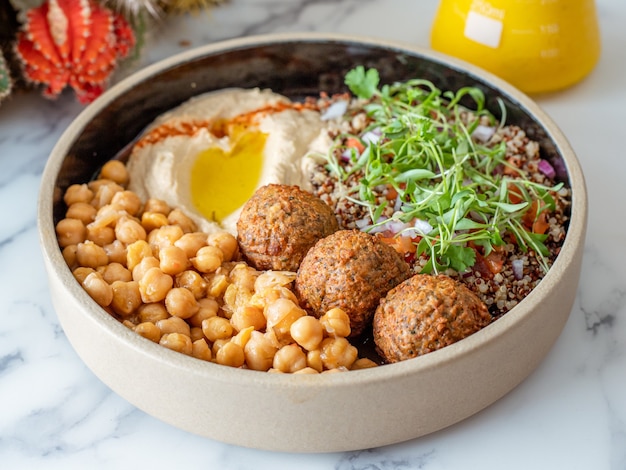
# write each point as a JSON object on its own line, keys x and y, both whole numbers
{"x": 426, "y": 313}
{"x": 279, "y": 224}
{"x": 351, "y": 270}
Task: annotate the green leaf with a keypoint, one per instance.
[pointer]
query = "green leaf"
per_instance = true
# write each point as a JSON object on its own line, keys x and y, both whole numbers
{"x": 460, "y": 257}
{"x": 363, "y": 84}
{"x": 510, "y": 208}
{"x": 414, "y": 174}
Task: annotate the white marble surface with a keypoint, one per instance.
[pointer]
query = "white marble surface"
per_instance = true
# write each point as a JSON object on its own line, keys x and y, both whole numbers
{"x": 570, "y": 413}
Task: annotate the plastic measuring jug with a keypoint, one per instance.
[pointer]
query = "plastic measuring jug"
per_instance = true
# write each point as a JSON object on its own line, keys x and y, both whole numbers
{"x": 536, "y": 45}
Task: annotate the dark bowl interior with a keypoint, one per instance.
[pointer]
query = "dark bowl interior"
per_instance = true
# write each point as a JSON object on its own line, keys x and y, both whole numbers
{"x": 294, "y": 68}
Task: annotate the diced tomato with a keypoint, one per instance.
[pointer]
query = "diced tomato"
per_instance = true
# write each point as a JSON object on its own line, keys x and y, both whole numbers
{"x": 515, "y": 195}
{"x": 352, "y": 142}
{"x": 511, "y": 169}
{"x": 392, "y": 194}
{"x": 536, "y": 223}
{"x": 402, "y": 244}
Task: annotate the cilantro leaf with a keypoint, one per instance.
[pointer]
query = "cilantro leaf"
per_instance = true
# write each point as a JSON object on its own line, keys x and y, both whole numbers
{"x": 363, "y": 84}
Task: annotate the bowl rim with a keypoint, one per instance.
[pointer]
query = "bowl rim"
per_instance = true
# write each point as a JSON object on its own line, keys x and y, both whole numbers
{"x": 112, "y": 327}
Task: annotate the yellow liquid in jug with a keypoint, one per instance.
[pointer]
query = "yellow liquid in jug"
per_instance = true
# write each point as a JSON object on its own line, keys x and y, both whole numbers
{"x": 536, "y": 45}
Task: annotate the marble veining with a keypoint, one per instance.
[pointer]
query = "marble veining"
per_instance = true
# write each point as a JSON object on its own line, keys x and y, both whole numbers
{"x": 569, "y": 413}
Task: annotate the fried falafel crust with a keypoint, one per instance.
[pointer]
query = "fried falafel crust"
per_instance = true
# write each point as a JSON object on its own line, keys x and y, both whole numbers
{"x": 279, "y": 224}
{"x": 350, "y": 270}
{"x": 426, "y": 313}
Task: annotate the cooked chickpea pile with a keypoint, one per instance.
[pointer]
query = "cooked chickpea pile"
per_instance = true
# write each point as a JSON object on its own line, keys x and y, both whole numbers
{"x": 148, "y": 266}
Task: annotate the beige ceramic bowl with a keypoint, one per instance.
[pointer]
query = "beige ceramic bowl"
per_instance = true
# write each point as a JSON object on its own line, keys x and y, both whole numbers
{"x": 302, "y": 413}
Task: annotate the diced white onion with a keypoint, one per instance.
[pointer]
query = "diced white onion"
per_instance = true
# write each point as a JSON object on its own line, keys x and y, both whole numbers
{"x": 518, "y": 268}
{"x": 483, "y": 133}
{"x": 370, "y": 137}
{"x": 335, "y": 110}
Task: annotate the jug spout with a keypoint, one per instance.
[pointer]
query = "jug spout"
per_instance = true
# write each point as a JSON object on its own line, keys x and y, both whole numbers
{"x": 536, "y": 45}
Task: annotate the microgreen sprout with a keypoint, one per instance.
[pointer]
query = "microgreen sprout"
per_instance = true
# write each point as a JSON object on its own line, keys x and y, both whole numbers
{"x": 441, "y": 175}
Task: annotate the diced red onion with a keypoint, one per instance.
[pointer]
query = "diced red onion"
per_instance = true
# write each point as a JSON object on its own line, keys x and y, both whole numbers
{"x": 335, "y": 110}
{"x": 483, "y": 133}
{"x": 346, "y": 155}
{"x": 518, "y": 268}
{"x": 362, "y": 223}
{"x": 547, "y": 169}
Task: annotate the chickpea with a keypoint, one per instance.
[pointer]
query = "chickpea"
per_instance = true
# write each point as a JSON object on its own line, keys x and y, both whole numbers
{"x": 307, "y": 331}
{"x": 174, "y": 325}
{"x": 217, "y": 345}
{"x": 338, "y": 352}
{"x": 164, "y": 236}
{"x": 244, "y": 276}
{"x": 98, "y": 289}
{"x": 243, "y": 336}
{"x": 314, "y": 360}
{"x": 266, "y": 296}
{"x": 82, "y": 211}
{"x": 306, "y": 370}
{"x": 259, "y": 352}
{"x": 152, "y": 312}
{"x": 70, "y": 232}
{"x": 289, "y": 359}
{"x": 149, "y": 331}
{"x": 146, "y": 263}
{"x": 208, "y": 259}
{"x": 81, "y": 273}
{"x": 215, "y": 328}
{"x": 336, "y": 322}
{"x": 137, "y": 251}
{"x": 77, "y": 193}
{"x": 107, "y": 216}
{"x": 91, "y": 255}
{"x": 173, "y": 260}
{"x": 200, "y": 349}
{"x": 192, "y": 281}
{"x": 69, "y": 255}
{"x": 230, "y": 354}
{"x": 154, "y": 285}
{"x": 177, "y": 342}
{"x": 156, "y": 205}
{"x": 225, "y": 242}
{"x": 177, "y": 217}
{"x": 153, "y": 220}
{"x": 273, "y": 279}
{"x": 191, "y": 242}
{"x": 115, "y": 170}
{"x": 116, "y": 252}
{"x": 363, "y": 363}
{"x": 126, "y": 297}
{"x": 196, "y": 333}
{"x": 248, "y": 316}
{"x": 96, "y": 184}
{"x": 116, "y": 272}
{"x": 208, "y": 308}
{"x": 217, "y": 284}
{"x": 104, "y": 192}
{"x": 100, "y": 235}
{"x": 128, "y": 201}
{"x": 181, "y": 303}
{"x": 128, "y": 230}
{"x": 280, "y": 315}
{"x": 235, "y": 298}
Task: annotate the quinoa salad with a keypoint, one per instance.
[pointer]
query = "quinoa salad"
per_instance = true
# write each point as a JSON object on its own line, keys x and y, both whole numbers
{"x": 455, "y": 190}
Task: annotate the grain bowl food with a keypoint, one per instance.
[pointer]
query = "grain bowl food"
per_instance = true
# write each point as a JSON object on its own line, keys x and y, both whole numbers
{"x": 419, "y": 183}
{"x": 422, "y": 394}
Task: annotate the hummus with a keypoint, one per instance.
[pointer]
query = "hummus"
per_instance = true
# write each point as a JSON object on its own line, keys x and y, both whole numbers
{"x": 209, "y": 155}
